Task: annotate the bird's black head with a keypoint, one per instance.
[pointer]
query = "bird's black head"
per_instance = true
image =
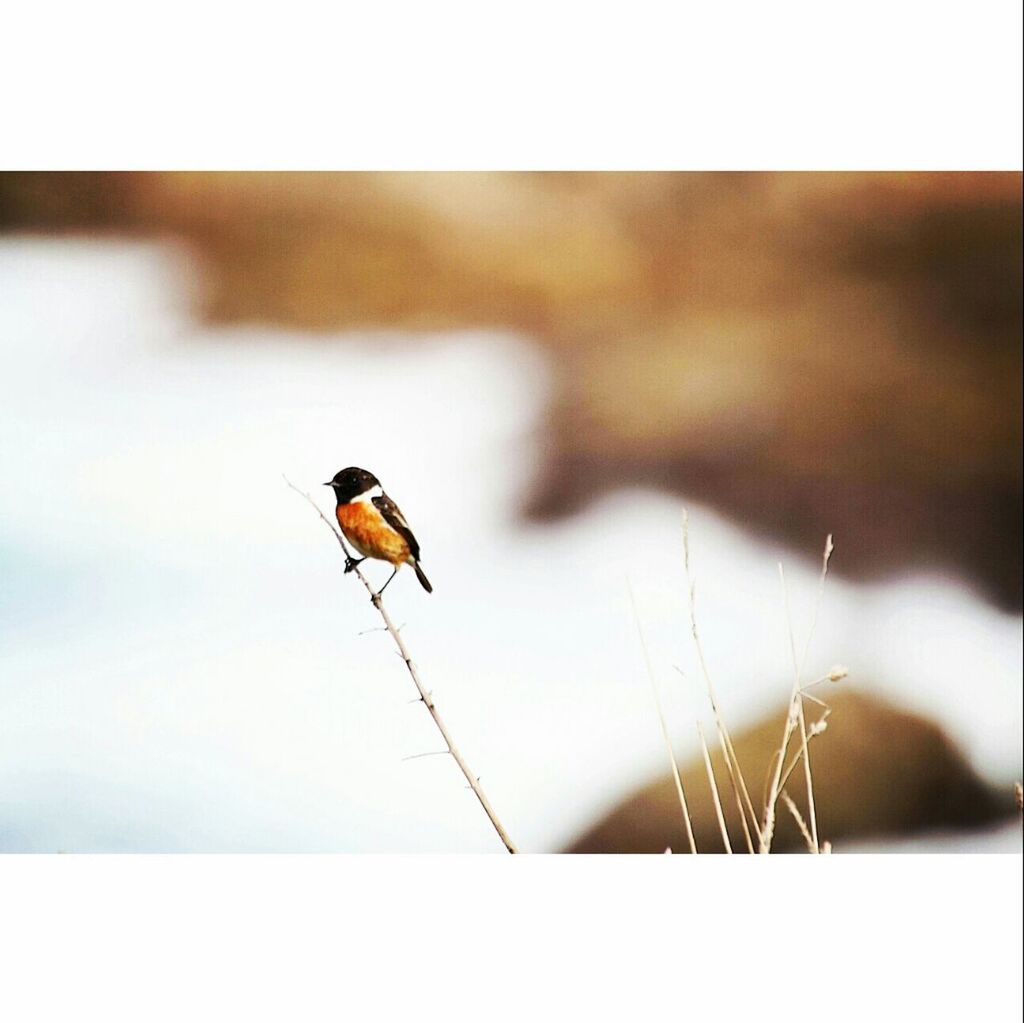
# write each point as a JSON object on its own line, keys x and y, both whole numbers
{"x": 351, "y": 482}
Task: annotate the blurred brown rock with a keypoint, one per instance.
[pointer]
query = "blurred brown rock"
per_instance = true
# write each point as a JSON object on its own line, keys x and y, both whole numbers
{"x": 808, "y": 353}
{"x": 878, "y": 772}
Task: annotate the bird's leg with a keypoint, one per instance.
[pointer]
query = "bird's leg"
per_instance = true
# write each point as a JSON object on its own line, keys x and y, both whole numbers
{"x": 351, "y": 563}
{"x": 390, "y": 577}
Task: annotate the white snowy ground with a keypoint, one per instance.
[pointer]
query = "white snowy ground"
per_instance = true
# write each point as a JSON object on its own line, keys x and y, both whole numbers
{"x": 181, "y": 660}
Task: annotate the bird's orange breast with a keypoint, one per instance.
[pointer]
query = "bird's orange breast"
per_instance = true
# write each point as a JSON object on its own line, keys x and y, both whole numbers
{"x": 366, "y": 529}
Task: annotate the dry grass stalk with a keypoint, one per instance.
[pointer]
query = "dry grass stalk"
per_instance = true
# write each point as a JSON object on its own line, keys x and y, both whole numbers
{"x": 714, "y": 790}
{"x": 677, "y": 777}
{"x": 736, "y": 784}
{"x": 797, "y": 669}
{"x": 798, "y": 817}
{"x": 425, "y": 696}
{"x": 812, "y": 812}
{"x": 739, "y": 785}
{"x": 794, "y": 718}
{"x": 816, "y": 729}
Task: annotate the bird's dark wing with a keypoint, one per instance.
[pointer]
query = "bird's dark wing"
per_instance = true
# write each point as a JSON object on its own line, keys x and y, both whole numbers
{"x": 396, "y": 520}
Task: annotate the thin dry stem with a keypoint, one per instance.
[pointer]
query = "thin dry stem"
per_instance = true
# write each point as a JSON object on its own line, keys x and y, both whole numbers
{"x": 797, "y": 668}
{"x": 664, "y": 727}
{"x": 807, "y": 696}
{"x": 779, "y": 758}
{"x": 794, "y": 717}
{"x": 808, "y": 838}
{"x": 812, "y": 811}
{"x": 736, "y": 793}
{"x": 815, "y": 730}
{"x": 714, "y": 790}
{"x": 725, "y": 740}
{"x": 425, "y": 696}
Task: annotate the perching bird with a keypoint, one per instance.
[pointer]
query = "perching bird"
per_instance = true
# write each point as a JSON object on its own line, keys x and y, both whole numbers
{"x": 373, "y": 523}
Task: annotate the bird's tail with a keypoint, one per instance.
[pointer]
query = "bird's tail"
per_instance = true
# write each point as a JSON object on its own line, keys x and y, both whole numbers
{"x": 421, "y": 575}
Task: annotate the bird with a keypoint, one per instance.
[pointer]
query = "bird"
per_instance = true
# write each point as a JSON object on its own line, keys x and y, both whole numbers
{"x": 374, "y": 524}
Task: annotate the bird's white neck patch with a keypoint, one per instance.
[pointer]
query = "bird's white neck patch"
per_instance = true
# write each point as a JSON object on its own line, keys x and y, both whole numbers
{"x": 368, "y": 495}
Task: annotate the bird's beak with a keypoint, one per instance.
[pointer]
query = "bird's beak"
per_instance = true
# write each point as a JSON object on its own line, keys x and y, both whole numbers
{"x": 330, "y": 484}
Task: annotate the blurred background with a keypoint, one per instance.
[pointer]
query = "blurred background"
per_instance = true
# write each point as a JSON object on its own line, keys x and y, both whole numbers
{"x": 544, "y": 370}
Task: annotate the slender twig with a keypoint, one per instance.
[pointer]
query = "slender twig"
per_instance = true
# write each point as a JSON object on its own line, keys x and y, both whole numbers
{"x": 739, "y": 803}
{"x": 808, "y": 838}
{"x": 817, "y": 728}
{"x": 714, "y": 790}
{"x": 836, "y": 674}
{"x": 735, "y": 787}
{"x": 811, "y": 809}
{"x": 725, "y": 740}
{"x": 802, "y": 717}
{"x": 779, "y": 759}
{"x": 664, "y": 727}
{"x": 425, "y": 696}
{"x": 807, "y": 696}
{"x": 795, "y": 715}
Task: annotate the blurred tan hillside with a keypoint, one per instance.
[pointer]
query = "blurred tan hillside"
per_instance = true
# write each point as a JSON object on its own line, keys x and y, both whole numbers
{"x": 809, "y": 353}
{"x": 878, "y": 772}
